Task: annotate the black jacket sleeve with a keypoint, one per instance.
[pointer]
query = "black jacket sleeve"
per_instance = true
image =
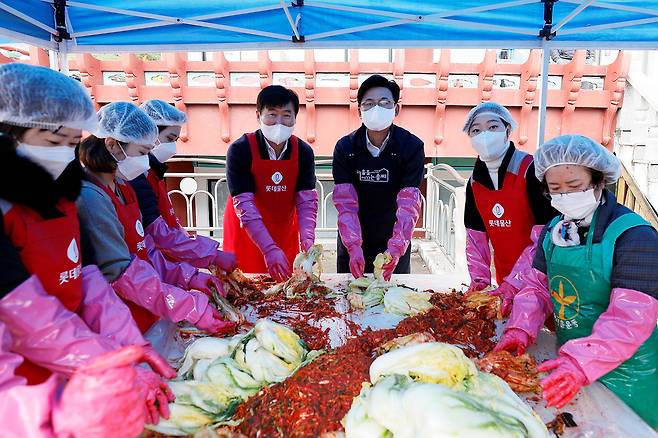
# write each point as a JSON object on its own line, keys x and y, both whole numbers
{"x": 539, "y": 204}
{"x": 12, "y": 270}
{"x": 413, "y": 164}
{"x": 306, "y": 176}
{"x": 341, "y": 169}
{"x": 472, "y": 218}
{"x": 238, "y": 168}
{"x": 148, "y": 203}
{"x": 635, "y": 261}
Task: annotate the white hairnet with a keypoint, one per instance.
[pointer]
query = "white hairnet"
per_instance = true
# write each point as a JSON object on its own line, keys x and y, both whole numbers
{"x": 579, "y": 150}
{"x": 38, "y": 97}
{"x": 492, "y": 108}
{"x": 125, "y": 122}
{"x": 163, "y": 114}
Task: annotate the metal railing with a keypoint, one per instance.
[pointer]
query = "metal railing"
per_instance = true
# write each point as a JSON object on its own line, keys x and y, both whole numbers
{"x": 442, "y": 206}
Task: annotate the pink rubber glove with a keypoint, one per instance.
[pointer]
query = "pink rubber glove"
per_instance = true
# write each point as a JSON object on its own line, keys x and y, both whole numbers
{"x": 524, "y": 262}
{"x": 564, "y": 383}
{"x": 157, "y": 363}
{"x": 616, "y": 335}
{"x": 478, "y": 259}
{"x": 347, "y": 204}
{"x": 514, "y": 340}
{"x": 212, "y": 322}
{"x": 47, "y": 333}
{"x": 409, "y": 205}
{"x": 532, "y": 305}
{"x": 225, "y": 261}
{"x": 206, "y": 283}
{"x": 175, "y": 273}
{"x": 140, "y": 284}
{"x": 507, "y": 292}
{"x": 156, "y": 394}
{"x": 307, "y": 213}
{"x": 102, "y": 399}
{"x": 275, "y": 259}
{"x": 177, "y": 244}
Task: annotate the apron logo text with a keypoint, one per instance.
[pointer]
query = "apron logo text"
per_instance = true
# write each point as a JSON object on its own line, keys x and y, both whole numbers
{"x": 500, "y": 223}
{"x": 377, "y": 176}
{"x": 72, "y": 274}
{"x": 276, "y": 188}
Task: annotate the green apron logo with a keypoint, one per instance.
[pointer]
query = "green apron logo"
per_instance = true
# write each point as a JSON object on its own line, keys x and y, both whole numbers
{"x": 565, "y": 297}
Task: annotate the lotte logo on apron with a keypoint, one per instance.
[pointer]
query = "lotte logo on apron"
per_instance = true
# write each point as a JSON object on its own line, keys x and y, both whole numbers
{"x": 277, "y": 177}
{"x": 72, "y": 251}
{"x": 498, "y": 211}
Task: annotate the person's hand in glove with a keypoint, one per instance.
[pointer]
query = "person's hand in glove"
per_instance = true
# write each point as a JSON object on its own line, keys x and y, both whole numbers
{"x": 562, "y": 385}
{"x": 476, "y": 286}
{"x": 102, "y": 399}
{"x": 277, "y": 264}
{"x": 156, "y": 394}
{"x": 357, "y": 262}
{"x": 514, "y": 340}
{"x": 225, "y": 261}
{"x": 212, "y": 322}
{"x": 158, "y": 363}
{"x": 507, "y": 292}
{"x": 389, "y": 267}
{"x": 206, "y": 283}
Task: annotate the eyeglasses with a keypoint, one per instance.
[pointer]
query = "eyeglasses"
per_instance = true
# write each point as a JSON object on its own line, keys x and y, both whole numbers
{"x": 370, "y": 104}
{"x": 550, "y": 196}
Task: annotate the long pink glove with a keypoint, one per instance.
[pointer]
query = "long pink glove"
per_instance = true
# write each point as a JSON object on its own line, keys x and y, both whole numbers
{"x": 514, "y": 340}
{"x": 225, "y": 261}
{"x": 177, "y": 244}
{"x": 106, "y": 314}
{"x": 409, "y": 204}
{"x": 102, "y": 399}
{"x": 506, "y": 292}
{"x": 307, "y": 214}
{"x": 478, "y": 259}
{"x": 140, "y": 284}
{"x": 275, "y": 259}
{"x": 156, "y": 393}
{"x": 532, "y": 305}
{"x": 616, "y": 335}
{"x": 564, "y": 383}
{"x": 524, "y": 262}
{"x": 176, "y": 273}
{"x": 206, "y": 283}
{"x": 346, "y": 201}
{"x": 25, "y": 410}
{"x": 47, "y": 333}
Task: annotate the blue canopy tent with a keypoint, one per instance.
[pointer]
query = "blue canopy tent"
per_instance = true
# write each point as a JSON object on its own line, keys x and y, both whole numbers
{"x": 66, "y": 26}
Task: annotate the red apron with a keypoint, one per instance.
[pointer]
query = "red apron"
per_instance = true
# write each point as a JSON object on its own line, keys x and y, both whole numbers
{"x": 164, "y": 203}
{"x": 275, "y": 198}
{"x": 49, "y": 249}
{"x": 507, "y": 217}
{"x": 130, "y": 218}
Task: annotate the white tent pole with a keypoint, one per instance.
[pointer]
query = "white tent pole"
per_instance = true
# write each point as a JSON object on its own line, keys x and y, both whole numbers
{"x": 572, "y": 15}
{"x": 292, "y": 23}
{"x": 63, "y": 58}
{"x": 543, "y": 97}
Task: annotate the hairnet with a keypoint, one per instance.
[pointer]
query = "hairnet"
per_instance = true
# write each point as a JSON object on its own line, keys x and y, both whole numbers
{"x": 492, "y": 108}
{"x": 38, "y": 97}
{"x": 579, "y": 150}
{"x": 125, "y": 122}
{"x": 163, "y": 114}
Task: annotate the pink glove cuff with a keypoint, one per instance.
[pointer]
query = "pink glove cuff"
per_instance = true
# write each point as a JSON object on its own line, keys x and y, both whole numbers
{"x": 177, "y": 273}
{"x": 409, "y": 205}
{"x": 176, "y": 243}
{"x": 524, "y": 261}
{"x": 532, "y": 304}
{"x": 245, "y": 208}
{"x": 616, "y": 335}
{"x": 478, "y": 256}
{"x": 347, "y": 204}
{"x": 307, "y": 213}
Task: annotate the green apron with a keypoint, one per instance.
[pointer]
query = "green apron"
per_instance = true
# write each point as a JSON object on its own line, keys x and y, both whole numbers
{"x": 579, "y": 283}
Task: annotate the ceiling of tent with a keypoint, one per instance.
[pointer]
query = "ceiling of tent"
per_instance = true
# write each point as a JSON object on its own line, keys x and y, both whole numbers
{"x": 203, "y": 25}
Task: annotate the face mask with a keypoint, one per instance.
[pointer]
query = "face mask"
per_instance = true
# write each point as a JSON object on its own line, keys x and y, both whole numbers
{"x": 378, "y": 118}
{"x": 490, "y": 145}
{"x": 577, "y": 205}
{"x": 131, "y": 167}
{"x": 52, "y": 158}
{"x": 164, "y": 151}
{"x": 278, "y": 133}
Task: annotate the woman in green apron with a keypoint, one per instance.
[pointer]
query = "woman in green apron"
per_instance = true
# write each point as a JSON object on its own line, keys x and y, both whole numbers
{"x": 596, "y": 271}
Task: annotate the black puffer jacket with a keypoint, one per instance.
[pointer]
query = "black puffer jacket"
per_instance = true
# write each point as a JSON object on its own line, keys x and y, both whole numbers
{"x": 635, "y": 261}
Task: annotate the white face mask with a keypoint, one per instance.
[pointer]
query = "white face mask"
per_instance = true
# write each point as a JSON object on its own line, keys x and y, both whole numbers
{"x": 278, "y": 133}
{"x": 131, "y": 167}
{"x": 52, "y": 158}
{"x": 164, "y": 151}
{"x": 490, "y": 145}
{"x": 378, "y": 118}
{"x": 577, "y": 205}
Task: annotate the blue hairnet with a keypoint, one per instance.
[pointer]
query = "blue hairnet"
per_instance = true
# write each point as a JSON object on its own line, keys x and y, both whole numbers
{"x": 493, "y": 108}
{"x": 125, "y": 122}
{"x": 163, "y": 114}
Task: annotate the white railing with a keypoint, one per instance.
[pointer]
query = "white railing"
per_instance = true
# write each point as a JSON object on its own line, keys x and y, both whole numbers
{"x": 442, "y": 207}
